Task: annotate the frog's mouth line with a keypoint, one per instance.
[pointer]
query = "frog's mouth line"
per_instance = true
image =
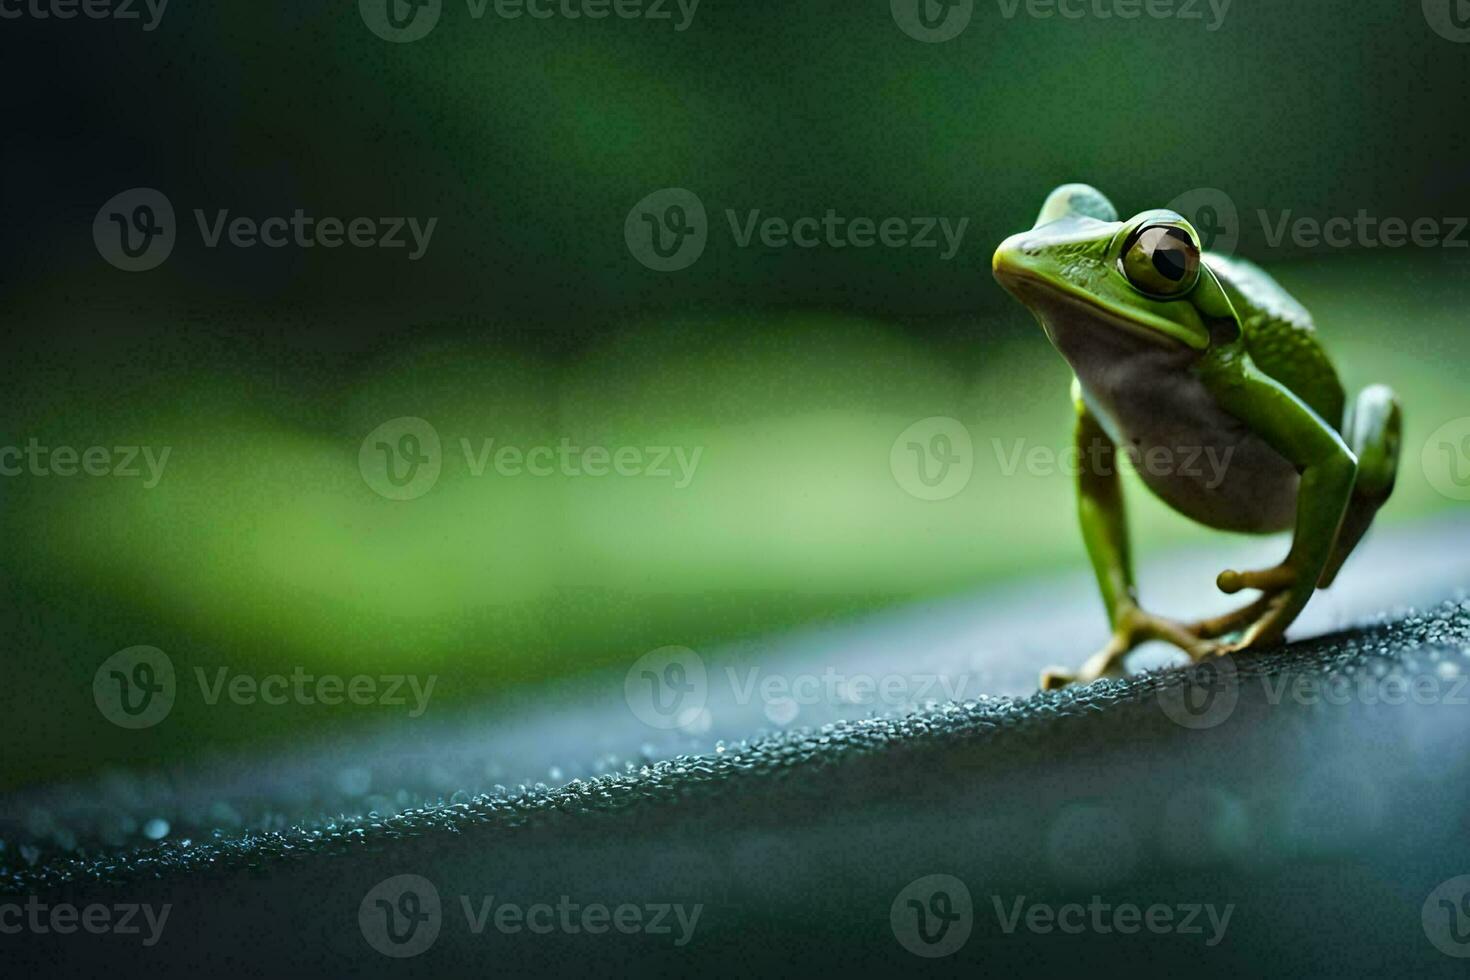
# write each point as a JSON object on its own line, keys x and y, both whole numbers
{"x": 1156, "y": 329}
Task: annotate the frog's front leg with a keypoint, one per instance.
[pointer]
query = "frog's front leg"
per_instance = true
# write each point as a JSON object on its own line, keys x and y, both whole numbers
{"x": 1328, "y": 472}
{"x": 1105, "y": 532}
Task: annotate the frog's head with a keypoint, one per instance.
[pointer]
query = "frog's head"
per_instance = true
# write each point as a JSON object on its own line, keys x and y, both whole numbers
{"x": 1099, "y": 284}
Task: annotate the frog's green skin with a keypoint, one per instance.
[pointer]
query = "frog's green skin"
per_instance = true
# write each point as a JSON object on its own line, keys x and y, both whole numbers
{"x": 1228, "y": 365}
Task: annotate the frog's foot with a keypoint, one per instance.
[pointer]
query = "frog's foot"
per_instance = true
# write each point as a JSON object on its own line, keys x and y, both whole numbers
{"x": 1284, "y": 591}
{"x": 1134, "y": 626}
{"x": 1235, "y": 621}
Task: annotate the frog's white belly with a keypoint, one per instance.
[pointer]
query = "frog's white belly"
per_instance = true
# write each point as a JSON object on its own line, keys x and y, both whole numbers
{"x": 1203, "y": 462}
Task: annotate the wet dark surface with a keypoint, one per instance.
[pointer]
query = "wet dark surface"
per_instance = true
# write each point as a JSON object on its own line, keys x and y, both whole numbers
{"x": 1320, "y": 792}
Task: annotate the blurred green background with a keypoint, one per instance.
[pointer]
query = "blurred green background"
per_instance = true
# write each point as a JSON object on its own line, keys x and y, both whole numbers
{"x": 528, "y": 321}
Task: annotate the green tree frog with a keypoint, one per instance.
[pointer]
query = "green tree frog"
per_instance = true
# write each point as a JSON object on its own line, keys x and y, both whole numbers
{"x": 1175, "y": 353}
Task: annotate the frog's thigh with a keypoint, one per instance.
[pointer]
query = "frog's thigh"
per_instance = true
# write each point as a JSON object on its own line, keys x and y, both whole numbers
{"x": 1372, "y": 429}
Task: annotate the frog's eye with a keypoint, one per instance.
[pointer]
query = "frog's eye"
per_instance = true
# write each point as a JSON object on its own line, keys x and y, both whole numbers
{"x": 1161, "y": 260}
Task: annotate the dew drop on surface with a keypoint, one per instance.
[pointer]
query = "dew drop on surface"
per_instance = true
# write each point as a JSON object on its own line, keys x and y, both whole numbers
{"x": 156, "y": 829}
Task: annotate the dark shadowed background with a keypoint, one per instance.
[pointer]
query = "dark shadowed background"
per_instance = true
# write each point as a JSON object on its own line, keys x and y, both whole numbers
{"x": 527, "y": 319}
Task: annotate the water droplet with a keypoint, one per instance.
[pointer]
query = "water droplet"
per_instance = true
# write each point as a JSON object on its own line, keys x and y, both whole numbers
{"x": 156, "y": 829}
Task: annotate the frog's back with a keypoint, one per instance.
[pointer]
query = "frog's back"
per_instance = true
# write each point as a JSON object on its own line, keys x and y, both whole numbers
{"x": 1280, "y": 336}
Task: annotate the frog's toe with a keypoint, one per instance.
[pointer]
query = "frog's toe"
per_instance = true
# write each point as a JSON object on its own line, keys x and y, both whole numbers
{"x": 1275, "y": 579}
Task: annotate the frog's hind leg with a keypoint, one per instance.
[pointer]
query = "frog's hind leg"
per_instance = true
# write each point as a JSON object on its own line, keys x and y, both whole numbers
{"x": 1372, "y": 428}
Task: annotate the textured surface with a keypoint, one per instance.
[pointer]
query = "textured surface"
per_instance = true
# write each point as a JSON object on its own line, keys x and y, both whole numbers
{"x": 1307, "y": 788}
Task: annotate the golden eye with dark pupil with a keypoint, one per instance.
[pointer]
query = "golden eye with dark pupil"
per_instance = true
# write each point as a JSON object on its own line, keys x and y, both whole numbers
{"x": 1161, "y": 260}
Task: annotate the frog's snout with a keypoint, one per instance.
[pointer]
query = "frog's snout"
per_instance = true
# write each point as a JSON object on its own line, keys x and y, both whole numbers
{"x": 1014, "y": 259}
